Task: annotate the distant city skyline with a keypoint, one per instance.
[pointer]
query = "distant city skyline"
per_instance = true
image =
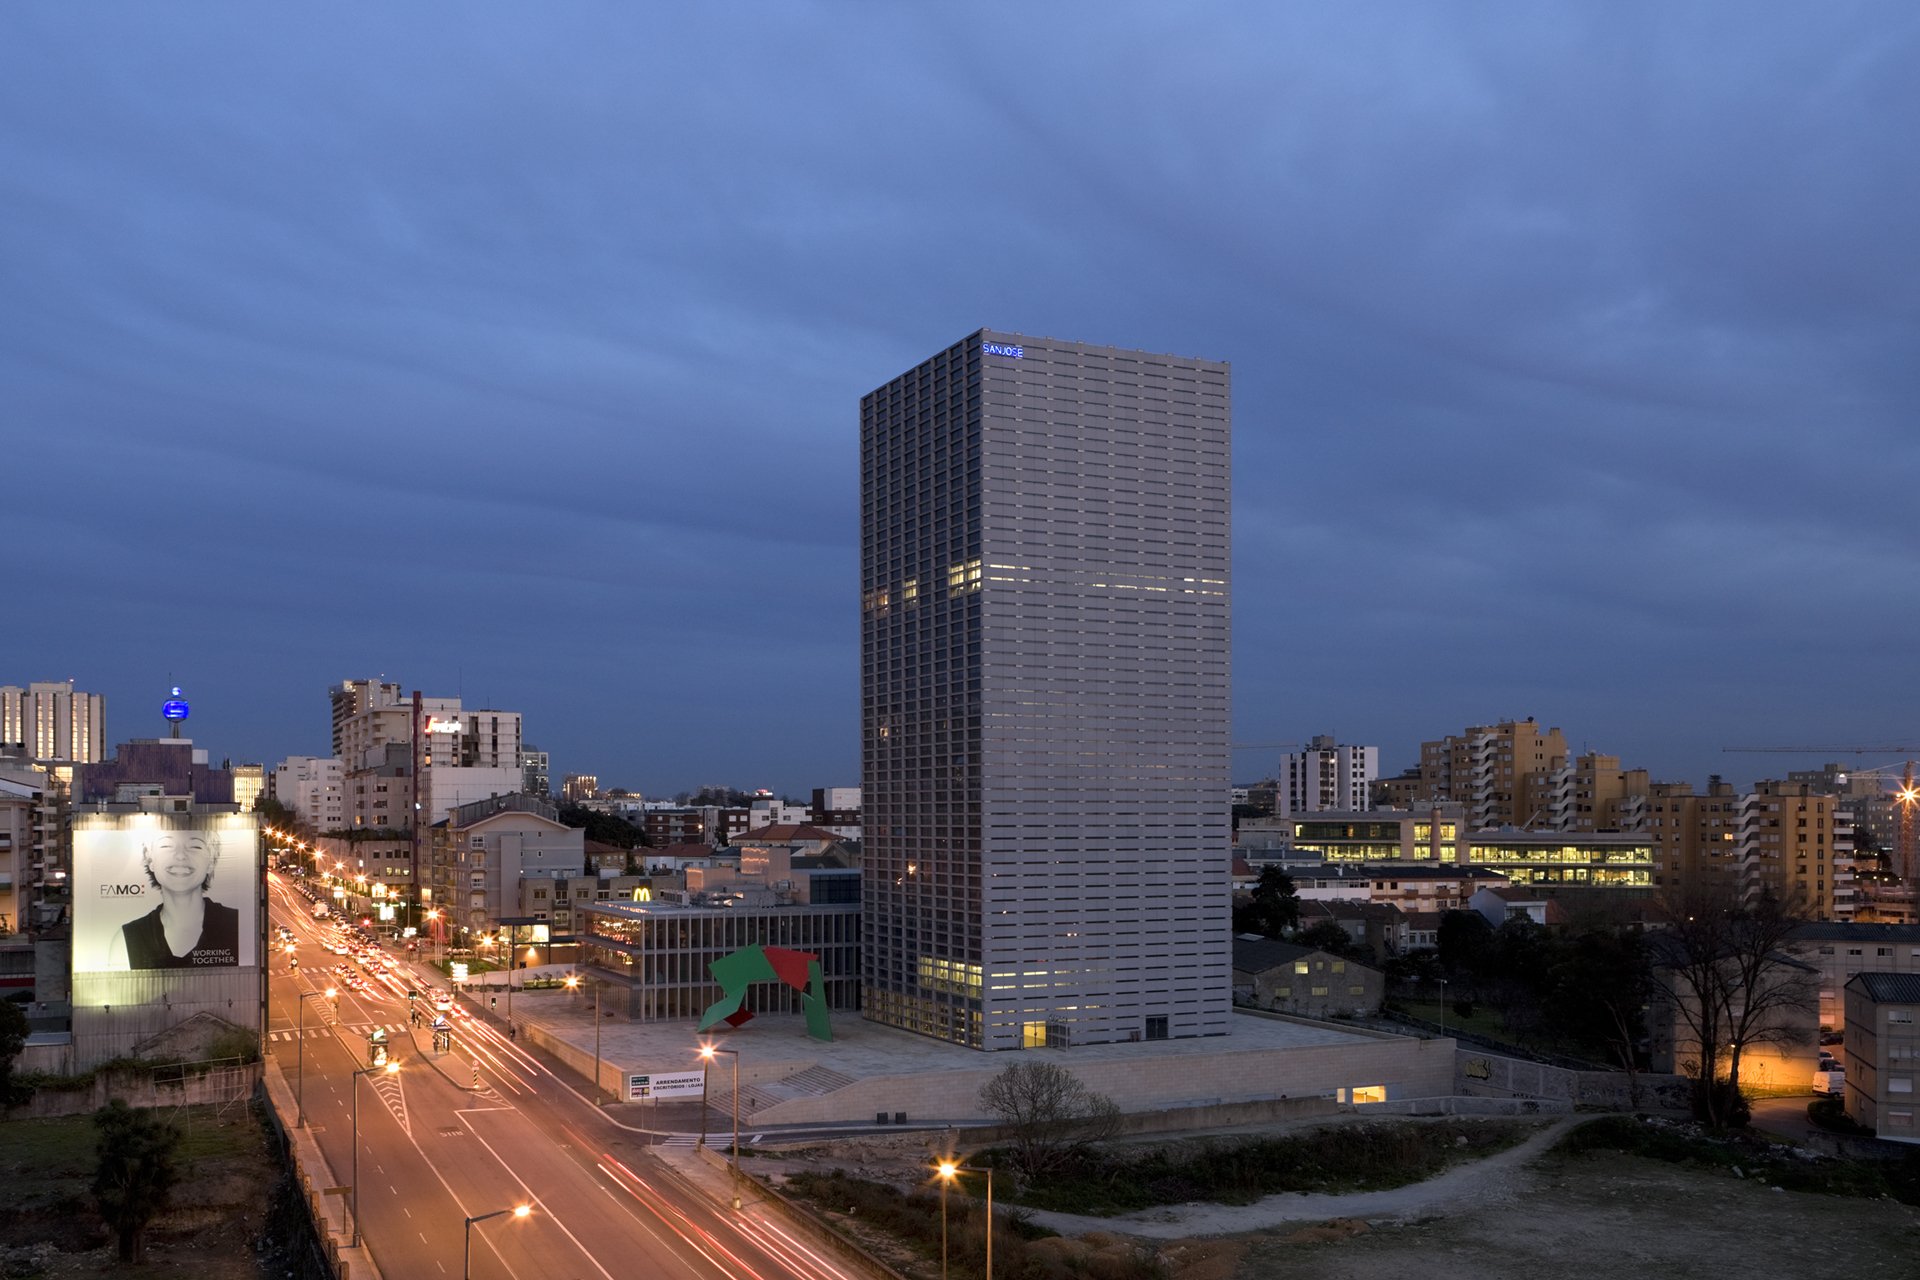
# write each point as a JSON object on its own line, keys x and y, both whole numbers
{"x": 515, "y": 358}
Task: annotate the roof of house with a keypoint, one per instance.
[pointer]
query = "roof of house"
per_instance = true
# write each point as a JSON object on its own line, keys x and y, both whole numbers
{"x": 784, "y": 833}
{"x": 1887, "y": 988}
{"x": 1257, "y": 955}
{"x": 1429, "y": 871}
{"x": 1252, "y": 954}
{"x": 1848, "y": 931}
{"x": 693, "y": 850}
{"x": 1350, "y": 909}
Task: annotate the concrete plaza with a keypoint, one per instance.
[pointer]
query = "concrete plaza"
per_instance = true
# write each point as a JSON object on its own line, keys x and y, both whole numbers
{"x": 789, "y": 1079}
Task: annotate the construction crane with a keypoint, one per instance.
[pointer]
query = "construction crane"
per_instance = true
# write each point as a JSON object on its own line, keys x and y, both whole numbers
{"x": 1907, "y": 795}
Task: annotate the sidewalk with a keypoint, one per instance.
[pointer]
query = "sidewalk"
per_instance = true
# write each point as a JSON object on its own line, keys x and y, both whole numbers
{"x": 316, "y": 1177}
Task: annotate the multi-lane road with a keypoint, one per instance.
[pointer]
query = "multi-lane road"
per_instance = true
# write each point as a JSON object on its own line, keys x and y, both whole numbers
{"x": 486, "y": 1127}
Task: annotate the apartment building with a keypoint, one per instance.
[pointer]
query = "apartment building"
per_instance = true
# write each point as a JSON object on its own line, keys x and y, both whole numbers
{"x": 1883, "y": 1053}
{"x": 493, "y": 858}
{"x": 1795, "y": 844}
{"x": 1496, "y": 771}
{"x": 1591, "y": 793}
{"x": 1841, "y": 949}
{"x": 314, "y": 788}
{"x": 837, "y": 809}
{"x": 1327, "y": 776}
{"x": 52, "y": 721}
{"x": 536, "y": 778}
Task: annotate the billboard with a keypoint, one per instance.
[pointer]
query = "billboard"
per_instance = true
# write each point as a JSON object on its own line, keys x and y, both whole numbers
{"x": 666, "y": 1086}
{"x": 165, "y": 891}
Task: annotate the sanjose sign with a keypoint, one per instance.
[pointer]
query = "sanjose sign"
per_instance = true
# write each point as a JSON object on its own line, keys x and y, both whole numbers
{"x": 1002, "y": 349}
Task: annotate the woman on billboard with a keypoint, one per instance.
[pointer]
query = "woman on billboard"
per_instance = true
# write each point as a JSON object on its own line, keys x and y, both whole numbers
{"x": 188, "y": 930}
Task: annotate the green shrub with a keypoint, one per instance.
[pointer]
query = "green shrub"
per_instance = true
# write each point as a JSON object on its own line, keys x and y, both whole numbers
{"x": 1022, "y": 1250}
{"x": 1831, "y": 1114}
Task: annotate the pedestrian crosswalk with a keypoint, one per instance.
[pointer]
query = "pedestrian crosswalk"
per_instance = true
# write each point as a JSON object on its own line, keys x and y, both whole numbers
{"x": 713, "y": 1140}
{"x": 332, "y": 1028}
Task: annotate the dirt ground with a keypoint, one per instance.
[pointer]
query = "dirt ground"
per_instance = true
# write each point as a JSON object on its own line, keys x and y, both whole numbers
{"x": 1527, "y": 1212}
{"x": 1598, "y": 1217}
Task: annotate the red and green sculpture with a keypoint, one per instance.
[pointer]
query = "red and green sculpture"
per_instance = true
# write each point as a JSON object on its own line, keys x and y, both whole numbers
{"x": 798, "y": 969}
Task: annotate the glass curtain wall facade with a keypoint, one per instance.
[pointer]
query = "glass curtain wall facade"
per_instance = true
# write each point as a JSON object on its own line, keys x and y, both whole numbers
{"x": 1045, "y": 680}
{"x": 662, "y": 953}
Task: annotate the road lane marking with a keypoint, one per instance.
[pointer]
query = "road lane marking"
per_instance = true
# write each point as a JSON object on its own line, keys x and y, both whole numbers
{"x": 534, "y": 1199}
{"x": 668, "y": 1223}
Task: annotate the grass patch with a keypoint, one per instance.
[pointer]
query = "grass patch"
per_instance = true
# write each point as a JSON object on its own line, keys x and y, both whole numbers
{"x": 1352, "y": 1157}
{"x": 1749, "y": 1156}
{"x": 1022, "y": 1250}
{"x": 61, "y": 1147}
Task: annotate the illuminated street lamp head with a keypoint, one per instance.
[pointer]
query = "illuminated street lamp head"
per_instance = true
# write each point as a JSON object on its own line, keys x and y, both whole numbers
{"x": 573, "y": 981}
{"x": 333, "y": 993}
{"x": 393, "y": 1067}
{"x": 706, "y": 1051}
{"x": 522, "y": 1210}
{"x": 947, "y": 1169}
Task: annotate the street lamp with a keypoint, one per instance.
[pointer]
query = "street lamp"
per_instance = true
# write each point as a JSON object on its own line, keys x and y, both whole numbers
{"x": 706, "y": 1055}
{"x": 390, "y": 1069}
{"x": 948, "y": 1171}
{"x": 300, "y": 1056}
{"x": 573, "y": 984}
{"x": 466, "y": 1257}
{"x": 1443, "y": 1007}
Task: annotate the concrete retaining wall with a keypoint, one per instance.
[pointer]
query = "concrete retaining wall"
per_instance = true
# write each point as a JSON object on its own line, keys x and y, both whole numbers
{"x": 1216, "y": 1078}
{"x": 1489, "y": 1075}
{"x": 1468, "y": 1107}
{"x": 140, "y": 1092}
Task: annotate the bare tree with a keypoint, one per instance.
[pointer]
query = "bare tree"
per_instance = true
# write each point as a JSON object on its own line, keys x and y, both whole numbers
{"x": 1768, "y": 991}
{"x": 1048, "y": 1112}
{"x": 1725, "y": 970}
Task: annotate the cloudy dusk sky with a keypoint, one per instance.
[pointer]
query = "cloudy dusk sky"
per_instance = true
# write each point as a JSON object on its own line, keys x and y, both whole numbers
{"x": 514, "y": 351}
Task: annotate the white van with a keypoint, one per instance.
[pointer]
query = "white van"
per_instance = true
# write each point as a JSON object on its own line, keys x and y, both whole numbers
{"x": 1831, "y": 1081}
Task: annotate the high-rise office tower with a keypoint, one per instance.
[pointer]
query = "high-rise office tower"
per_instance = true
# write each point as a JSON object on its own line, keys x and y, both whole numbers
{"x": 53, "y": 722}
{"x": 1044, "y": 686}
